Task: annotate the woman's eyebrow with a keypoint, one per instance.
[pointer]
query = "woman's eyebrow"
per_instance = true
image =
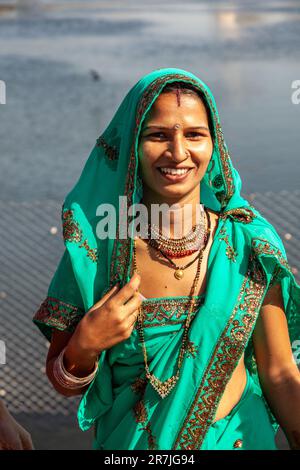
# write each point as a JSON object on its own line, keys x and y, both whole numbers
{"x": 171, "y": 128}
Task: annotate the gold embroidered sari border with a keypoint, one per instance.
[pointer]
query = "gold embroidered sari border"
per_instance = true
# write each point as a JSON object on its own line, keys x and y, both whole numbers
{"x": 160, "y": 312}
{"x": 58, "y": 314}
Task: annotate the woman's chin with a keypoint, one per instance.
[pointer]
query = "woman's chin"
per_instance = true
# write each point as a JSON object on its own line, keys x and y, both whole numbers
{"x": 178, "y": 189}
{"x": 174, "y": 192}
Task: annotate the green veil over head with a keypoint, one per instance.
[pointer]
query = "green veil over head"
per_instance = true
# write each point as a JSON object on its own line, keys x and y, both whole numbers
{"x": 246, "y": 257}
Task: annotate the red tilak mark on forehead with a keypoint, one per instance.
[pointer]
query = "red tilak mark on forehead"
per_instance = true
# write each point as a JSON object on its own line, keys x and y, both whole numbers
{"x": 178, "y": 96}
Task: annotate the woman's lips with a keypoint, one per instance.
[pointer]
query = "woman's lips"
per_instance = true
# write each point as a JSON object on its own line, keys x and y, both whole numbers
{"x": 174, "y": 178}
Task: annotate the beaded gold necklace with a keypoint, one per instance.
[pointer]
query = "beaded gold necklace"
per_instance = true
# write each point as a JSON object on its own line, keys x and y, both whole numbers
{"x": 163, "y": 388}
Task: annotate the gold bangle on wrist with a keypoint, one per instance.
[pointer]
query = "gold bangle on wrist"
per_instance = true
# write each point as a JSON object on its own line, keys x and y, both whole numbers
{"x": 68, "y": 380}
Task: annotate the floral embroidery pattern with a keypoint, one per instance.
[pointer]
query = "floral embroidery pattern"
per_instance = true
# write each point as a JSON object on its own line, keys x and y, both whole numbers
{"x": 140, "y": 411}
{"x": 230, "y": 252}
{"x": 71, "y": 230}
{"x": 191, "y": 349}
{"x": 224, "y": 359}
{"x": 72, "y": 233}
{"x": 241, "y": 214}
{"x": 111, "y": 151}
{"x": 122, "y": 249}
{"x": 139, "y": 385}
{"x": 92, "y": 253}
{"x": 57, "y": 314}
{"x": 163, "y": 311}
{"x": 265, "y": 248}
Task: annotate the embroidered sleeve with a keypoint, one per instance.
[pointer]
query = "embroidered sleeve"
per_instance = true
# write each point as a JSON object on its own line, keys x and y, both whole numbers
{"x": 54, "y": 313}
{"x": 62, "y": 307}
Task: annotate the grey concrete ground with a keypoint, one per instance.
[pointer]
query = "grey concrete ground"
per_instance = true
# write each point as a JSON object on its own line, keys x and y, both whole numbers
{"x": 58, "y": 432}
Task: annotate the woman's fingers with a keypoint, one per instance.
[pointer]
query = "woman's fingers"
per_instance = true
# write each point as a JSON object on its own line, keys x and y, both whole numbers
{"x": 120, "y": 296}
{"x": 12, "y": 444}
{"x": 27, "y": 443}
{"x": 125, "y": 294}
{"x": 106, "y": 297}
{"x": 25, "y": 439}
{"x": 132, "y": 306}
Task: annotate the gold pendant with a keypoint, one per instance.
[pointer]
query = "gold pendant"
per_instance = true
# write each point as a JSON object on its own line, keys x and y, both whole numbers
{"x": 178, "y": 274}
{"x": 163, "y": 388}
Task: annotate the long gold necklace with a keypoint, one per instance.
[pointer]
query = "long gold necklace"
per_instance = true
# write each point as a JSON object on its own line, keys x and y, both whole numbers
{"x": 163, "y": 388}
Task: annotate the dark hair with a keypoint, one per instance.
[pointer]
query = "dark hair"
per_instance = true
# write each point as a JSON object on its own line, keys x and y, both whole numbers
{"x": 189, "y": 89}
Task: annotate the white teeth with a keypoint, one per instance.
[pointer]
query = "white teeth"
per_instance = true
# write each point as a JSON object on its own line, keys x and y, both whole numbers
{"x": 174, "y": 171}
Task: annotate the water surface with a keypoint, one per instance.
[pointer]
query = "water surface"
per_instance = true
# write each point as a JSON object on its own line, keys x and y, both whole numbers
{"x": 67, "y": 66}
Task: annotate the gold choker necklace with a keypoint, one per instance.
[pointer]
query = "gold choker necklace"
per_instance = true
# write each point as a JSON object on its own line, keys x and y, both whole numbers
{"x": 179, "y": 270}
{"x": 179, "y": 247}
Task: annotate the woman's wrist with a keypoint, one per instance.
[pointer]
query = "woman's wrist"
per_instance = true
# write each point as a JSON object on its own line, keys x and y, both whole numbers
{"x": 82, "y": 342}
{"x": 68, "y": 380}
{"x": 79, "y": 362}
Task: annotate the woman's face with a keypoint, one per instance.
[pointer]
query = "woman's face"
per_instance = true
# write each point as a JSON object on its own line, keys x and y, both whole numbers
{"x": 174, "y": 136}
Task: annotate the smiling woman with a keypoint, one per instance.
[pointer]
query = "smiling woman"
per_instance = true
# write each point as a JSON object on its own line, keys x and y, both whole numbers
{"x": 172, "y": 355}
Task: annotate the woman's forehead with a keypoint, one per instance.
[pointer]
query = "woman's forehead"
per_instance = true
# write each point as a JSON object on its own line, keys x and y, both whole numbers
{"x": 166, "y": 109}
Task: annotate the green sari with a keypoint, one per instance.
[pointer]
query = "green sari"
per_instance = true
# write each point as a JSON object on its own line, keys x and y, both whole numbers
{"x": 247, "y": 256}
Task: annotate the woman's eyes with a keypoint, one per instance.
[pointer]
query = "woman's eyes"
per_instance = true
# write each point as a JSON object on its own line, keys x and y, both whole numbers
{"x": 159, "y": 134}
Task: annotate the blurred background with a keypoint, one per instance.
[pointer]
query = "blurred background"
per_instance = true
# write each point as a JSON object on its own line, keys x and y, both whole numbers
{"x": 67, "y": 66}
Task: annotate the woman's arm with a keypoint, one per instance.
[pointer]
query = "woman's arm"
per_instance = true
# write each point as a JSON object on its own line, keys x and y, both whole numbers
{"x": 278, "y": 373}
{"x": 77, "y": 365}
{"x": 110, "y": 321}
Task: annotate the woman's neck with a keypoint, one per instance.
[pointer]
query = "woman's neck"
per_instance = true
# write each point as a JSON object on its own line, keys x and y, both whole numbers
{"x": 178, "y": 215}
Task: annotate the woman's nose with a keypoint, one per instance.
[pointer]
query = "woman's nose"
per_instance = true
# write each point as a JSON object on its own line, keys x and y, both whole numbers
{"x": 178, "y": 149}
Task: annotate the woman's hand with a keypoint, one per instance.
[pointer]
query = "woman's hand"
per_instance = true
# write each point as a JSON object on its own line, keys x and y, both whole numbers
{"x": 110, "y": 321}
{"x": 12, "y": 435}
